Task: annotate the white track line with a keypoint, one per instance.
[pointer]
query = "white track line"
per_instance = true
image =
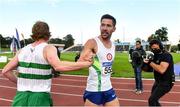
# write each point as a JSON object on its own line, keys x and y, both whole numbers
{"x": 87, "y": 76}
{"x": 4, "y": 99}
{"x": 124, "y": 83}
{"x": 67, "y": 94}
{"x": 74, "y": 86}
{"x": 75, "y": 80}
{"x": 111, "y": 77}
{"x": 4, "y": 79}
{"x": 2, "y": 86}
{"x": 132, "y": 83}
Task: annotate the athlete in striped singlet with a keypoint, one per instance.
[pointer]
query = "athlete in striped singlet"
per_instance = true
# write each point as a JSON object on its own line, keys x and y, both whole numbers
{"x": 34, "y": 65}
{"x": 99, "y": 90}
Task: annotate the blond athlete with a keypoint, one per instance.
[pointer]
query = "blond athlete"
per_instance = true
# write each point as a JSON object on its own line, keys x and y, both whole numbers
{"x": 99, "y": 90}
{"x": 34, "y": 65}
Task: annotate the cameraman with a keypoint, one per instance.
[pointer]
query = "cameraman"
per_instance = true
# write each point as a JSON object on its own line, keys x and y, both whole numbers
{"x": 137, "y": 61}
{"x": 163, "y": 67}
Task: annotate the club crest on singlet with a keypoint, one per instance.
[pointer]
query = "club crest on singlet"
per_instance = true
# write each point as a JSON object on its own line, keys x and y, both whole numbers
{"x": 109, "y": 56}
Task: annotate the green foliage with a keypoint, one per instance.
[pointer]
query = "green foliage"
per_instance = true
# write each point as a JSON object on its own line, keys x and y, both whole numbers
{"x": 178, "y": 46}
{"x": 56, "y": 41}
{"x": 68, "y": 41}
{"x": 5, "y": 42}
{"x": 174, "y": 48}
{"x": 160, "y": 34}
{"x": 153, "y": 36}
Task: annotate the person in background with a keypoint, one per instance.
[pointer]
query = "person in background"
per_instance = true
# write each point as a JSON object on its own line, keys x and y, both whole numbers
{"x": 137, "y": 59}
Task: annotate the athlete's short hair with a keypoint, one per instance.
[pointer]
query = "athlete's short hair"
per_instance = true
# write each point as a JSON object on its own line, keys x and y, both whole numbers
{"x": 107, "y": 16}
{"x": 40, "y": 30}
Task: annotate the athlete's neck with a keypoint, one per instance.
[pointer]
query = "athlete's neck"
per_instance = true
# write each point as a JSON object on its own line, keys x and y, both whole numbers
{"x": 39, "y": 42}
{"x": 106, "y": 42}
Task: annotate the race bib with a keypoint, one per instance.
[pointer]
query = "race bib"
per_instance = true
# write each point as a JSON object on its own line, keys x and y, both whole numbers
{"x": 107, "y": 67}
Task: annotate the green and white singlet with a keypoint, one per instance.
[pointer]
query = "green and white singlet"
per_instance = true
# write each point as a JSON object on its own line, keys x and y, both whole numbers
{"x": 100, "y": 72}
{"x": 34, "y": 71}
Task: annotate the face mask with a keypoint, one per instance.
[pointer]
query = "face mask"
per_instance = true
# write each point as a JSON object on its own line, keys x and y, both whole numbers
{"x": 156, "y": 51}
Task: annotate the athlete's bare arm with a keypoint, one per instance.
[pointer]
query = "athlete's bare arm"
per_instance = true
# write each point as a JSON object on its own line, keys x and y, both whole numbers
{"x": 90, "y": 48}
{"x": 12, "y": 65}
{"x": 50, "y": 53}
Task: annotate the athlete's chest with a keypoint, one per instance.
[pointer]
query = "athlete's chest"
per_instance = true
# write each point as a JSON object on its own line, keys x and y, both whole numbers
{"x": 106, "y": 56}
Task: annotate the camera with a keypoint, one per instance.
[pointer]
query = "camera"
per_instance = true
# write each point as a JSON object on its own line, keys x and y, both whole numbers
{"x": 137, "y": 57}
{"x": 149, "y": 55}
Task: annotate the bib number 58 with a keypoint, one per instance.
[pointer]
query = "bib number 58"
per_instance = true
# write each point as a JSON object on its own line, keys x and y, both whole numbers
{"x": 107, "y": 70}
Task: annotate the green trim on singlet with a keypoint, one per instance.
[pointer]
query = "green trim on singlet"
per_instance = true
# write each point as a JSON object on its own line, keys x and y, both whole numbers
{"x": 34, "y": 76}
{"x": 97, "y": 67}
{"x": 34, "y": 65}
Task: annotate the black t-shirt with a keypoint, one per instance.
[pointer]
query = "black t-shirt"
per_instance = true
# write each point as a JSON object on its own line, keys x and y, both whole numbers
{"x": 168, "y": 76}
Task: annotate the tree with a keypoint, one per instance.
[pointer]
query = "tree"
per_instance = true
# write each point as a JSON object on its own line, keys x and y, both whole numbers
{"x": 151, "y": 37}
{"x": 162, "y": 34}
{"x": 2, "y": 40}
{"x": 1, "y": 37}
{"x": 68, "y": 41}
{"x": 29, "y": 40}
{"x": 8, "y": 41}
{"x": 56, "y": 41}
{"x": 174, "y": 48}
{"x": 179, "y": 45}
{"x": 137, "y": 39}
{"x": 5, "y": 42}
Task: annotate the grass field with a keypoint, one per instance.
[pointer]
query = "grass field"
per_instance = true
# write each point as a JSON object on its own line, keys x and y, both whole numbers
{"x": 121, "y": 66}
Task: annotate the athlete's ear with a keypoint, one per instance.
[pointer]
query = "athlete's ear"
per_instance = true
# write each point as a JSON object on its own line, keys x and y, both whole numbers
{"x": 114, "y": 29}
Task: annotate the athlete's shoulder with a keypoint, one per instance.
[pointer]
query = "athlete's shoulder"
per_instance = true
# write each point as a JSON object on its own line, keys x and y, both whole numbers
{"x": 90, "y": 42}
{"x": 49, "y": 47}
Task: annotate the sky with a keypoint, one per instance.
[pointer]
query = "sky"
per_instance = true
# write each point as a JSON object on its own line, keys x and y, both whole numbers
{"x": 81, "y": 18}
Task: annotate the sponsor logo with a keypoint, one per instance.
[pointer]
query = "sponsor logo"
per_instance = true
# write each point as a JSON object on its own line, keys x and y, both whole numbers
{"x": 113, "y": 95}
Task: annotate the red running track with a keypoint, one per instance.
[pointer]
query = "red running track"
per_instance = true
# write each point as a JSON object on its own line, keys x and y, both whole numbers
{"x": 68, "y": 91}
